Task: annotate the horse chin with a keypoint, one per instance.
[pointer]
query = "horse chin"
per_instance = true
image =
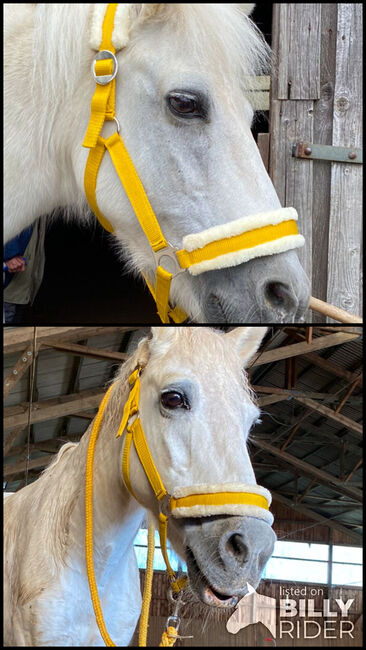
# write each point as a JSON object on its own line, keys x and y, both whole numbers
{"x": 208, "y": 593}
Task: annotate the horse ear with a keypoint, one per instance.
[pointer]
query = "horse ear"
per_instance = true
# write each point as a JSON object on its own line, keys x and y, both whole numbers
{"x": 247, "y": 9}
{"x": 246, "y": 340}
{"x": 161, "y": 339}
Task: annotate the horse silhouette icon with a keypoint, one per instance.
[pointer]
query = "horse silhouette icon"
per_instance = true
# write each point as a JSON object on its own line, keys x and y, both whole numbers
{"x": 253, "y": 608}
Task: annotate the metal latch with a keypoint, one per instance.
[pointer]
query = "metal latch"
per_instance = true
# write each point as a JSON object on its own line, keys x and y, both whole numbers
{"x": 326, "y": 152}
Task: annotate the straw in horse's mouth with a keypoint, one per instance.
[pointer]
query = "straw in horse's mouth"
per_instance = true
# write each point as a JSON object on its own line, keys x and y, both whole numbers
{"x": 207, "y": 592}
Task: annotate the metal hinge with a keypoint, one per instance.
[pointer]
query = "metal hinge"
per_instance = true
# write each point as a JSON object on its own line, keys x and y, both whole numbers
{"x": 326, "y": 152}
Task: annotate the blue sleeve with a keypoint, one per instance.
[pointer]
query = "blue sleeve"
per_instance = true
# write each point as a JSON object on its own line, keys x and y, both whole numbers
{"x": 17, "y": 245}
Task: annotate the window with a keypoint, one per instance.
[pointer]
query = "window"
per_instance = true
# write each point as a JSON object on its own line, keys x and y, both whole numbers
{"x": 294, "y": 561}
{"x": 298, "y": 561}
{"x": 347, "y": 566}
{"x": 140, "y": 544}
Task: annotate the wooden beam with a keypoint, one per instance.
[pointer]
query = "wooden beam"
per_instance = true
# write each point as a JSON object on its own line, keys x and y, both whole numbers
{"x": 306, "y": 469}
{"x": 352, "y": 387}
{"x": 308, "y": 512}
{"x": 35, "y": 463}
{"x": 296, "y": 349}
{"x": 17, "y": 339}
{"x": 330, "y": 367}
{"x": 354, "y": 470}
{"x": 329, "y": 413}
{"x": 16, "y": 416}
{"x": 49, "y": 445}
{"x": 271, "y": 399}
{"x": 85, "y": 351}
{"x": 291, "y": 392}
{"x": 11, "y": 438}
{"x": 338, "y": 314}
{"x": 18, "y": 369}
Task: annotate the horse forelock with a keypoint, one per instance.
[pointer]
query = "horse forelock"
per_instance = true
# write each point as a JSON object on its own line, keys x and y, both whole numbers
{"x": 220, "y": 35}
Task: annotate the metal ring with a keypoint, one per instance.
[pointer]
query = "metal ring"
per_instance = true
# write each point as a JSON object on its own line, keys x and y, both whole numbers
{"x": 103, "y": 80}
{"x": 118, "y": 128}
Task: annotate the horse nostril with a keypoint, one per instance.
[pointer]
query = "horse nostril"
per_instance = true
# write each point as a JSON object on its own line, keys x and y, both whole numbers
{"x": 237, "y": 547}
{"x": 280, "y": 295}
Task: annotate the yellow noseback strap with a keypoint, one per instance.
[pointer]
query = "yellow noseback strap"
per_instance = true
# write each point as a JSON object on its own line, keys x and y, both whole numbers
{"x": 234, "y": 244}
{"x": 219, "y": 499}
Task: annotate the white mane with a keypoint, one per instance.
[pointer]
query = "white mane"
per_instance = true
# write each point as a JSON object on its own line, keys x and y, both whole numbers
{"x": 219, "y": 35}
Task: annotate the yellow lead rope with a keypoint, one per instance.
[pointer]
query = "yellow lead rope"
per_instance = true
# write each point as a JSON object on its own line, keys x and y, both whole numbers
{"x": 144, "y": 619}
{"x": 89, "y": 521}
{"x": 89, "y": 542}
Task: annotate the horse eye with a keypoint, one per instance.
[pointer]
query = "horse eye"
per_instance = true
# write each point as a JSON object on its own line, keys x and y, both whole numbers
{"x": 184, "y": 105}
{"x": 174, "y": 400}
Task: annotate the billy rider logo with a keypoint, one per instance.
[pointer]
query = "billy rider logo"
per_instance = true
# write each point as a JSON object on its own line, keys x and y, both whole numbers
{"x": 329, "y": 622}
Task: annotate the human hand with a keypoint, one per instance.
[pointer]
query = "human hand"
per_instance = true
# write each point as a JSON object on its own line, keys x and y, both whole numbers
{"x": 16, "y": 264}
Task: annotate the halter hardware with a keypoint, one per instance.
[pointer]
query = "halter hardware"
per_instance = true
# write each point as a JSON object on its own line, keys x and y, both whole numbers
{"x": 193, "y": 501}
{"x": 172, "y": 262}
{"x": 104, "y": 79}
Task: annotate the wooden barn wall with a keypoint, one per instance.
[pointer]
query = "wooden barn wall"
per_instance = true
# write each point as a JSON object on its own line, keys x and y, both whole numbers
{"x": 316, "y": 96}
{"x": 211, "y": 631}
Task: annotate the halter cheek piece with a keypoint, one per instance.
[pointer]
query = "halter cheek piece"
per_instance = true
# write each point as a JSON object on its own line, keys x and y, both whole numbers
{"x": 186, "y": 501}
{"x": 222, "y": 246}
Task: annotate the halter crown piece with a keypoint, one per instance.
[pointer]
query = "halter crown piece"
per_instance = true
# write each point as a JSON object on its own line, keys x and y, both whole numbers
{"x": 187, "y": 501}
{"x": 221, "y": 246}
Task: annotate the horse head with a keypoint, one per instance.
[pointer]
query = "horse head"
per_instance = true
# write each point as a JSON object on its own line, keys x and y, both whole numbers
{"x": 182, "y": 98}
{"x": 196, "y": 411}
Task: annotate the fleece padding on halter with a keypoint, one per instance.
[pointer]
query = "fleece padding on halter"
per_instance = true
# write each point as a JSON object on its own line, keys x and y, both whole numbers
{"x": 222, "y": 499}
{"x": 241, "y": 240}
{"x": 120, "y": 34}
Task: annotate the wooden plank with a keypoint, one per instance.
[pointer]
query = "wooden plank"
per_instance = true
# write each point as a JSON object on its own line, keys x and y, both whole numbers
{"x": 329, "y": 413}
{"x": 292, "y": 178}
{"x": 323, "y": 129}
{"x": 11, "y": 438}
{"x": 17, "y": 338}
{"x": 35, "y": 463}
{"x": 289, "y": 392}
{"x": 271, "y": 399}
{"x": 296, "y": 349}
{"x": 324, "y": 478}
{"x": 297, "y": 51}
{"x": 263, "y": 146}
{"x": 345, "y": 220}
{"x": 16, "y": 416}
{"x": 87, "y": 351}
{"x": 331, "y": 523}
{"x": 18, "y": 370}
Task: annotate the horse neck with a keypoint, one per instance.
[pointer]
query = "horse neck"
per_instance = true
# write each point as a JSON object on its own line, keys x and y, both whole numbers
{"x": 116, "y": 515}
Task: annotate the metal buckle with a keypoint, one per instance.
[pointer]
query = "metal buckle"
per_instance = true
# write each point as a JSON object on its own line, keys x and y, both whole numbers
{"x": 171, "y": 261}
{"x": 164, "y": 505}
{"x": 103, "y": 80}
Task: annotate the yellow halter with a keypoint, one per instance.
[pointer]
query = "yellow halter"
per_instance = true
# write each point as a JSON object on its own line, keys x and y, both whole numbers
{"x": 218, "y": 247}
{"x": 193, "y": 501}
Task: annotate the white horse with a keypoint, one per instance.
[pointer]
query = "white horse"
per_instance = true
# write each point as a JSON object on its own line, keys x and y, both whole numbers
{"x": 185, "y": 114}
{"x": 196, "y": 410}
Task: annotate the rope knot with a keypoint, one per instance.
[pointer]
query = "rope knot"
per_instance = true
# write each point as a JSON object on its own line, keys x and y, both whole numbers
{"x": 169, "y": 637}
